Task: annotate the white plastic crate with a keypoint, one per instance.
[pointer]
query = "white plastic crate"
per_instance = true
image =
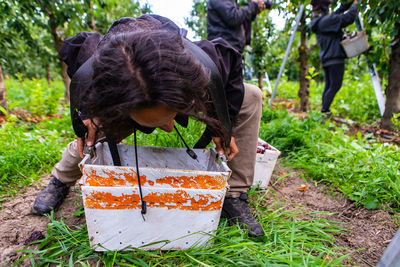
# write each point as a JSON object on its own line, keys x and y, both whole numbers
{"x": 184, "y": 198}
{"x": 265, "y": 164}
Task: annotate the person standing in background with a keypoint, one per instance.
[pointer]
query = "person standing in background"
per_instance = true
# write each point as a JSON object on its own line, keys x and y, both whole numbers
{"x": 227, "y": 20}
{"x": 328, "y": 28}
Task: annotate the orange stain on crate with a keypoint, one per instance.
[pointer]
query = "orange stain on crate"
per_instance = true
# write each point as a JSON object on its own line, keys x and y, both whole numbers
{"x": 177, "y": 200}
{"x": 194, "y": 182}
{"x": 112, "y": 178}
{"x": 127, "y": 177}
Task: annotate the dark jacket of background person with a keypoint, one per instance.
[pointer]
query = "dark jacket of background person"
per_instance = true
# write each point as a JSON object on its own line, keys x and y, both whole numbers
{"x": 81, "y": 47}
{"x": 227, "y": 20}
{"x": 328, "y": 29}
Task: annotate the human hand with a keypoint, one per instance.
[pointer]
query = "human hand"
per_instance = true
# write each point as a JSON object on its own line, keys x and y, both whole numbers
{"x": 91, "y": 138}
{"x": 260, "y": 3}
{"x": 231, "y": 151}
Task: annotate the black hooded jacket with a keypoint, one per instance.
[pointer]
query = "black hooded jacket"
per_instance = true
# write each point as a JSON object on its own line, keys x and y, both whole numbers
{"x": 328, "y": 29}
{"x": 227, "y": 20}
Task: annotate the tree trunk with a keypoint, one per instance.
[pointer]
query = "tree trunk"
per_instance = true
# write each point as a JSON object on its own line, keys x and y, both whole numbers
{"x": 66, "y": 80}
{"x": 3, "y": 101}
{"x": 304, "y": 91}
{"x": 260, "y": 80}
{"x": 58, "y": 43}
{"x": 48, "y": 76}
{"x": 92, "y": 21}
{"x": 393, "y": 89}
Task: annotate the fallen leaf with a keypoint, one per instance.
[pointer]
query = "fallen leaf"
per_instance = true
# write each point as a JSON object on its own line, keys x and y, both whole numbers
{"x": 303, "y": 188}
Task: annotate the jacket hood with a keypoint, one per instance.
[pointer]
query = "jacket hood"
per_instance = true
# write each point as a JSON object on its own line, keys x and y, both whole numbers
{"x": 321, "y": 5}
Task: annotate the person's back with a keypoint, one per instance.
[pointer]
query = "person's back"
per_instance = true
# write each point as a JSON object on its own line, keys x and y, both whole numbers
{"x": 328, "y": 28}
{"x": 226, "y": 19}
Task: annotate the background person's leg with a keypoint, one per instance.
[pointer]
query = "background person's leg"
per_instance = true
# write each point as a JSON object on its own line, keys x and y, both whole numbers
{"x": 245, "y": 131}
{"x": 326, "y": 89}
{"x": 335, "y": 74}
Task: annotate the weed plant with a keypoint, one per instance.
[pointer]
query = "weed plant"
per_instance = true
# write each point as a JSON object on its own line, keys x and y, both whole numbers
{"x": 291, "y": 239}
{"x": 35, "y": 96}
{"x": 159, "y": 138}
{"x": 363, "y": 169}
{"x": 355, "y": 100}
{"x": 30, "y": 150}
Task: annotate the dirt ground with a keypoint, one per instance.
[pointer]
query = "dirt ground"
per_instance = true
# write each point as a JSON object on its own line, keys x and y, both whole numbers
{"x": 17, "y": 224}
{"x": 369, "y": 230}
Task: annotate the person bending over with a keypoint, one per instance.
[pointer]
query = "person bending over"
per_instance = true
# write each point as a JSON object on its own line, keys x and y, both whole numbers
{"x": 143, "y": 75}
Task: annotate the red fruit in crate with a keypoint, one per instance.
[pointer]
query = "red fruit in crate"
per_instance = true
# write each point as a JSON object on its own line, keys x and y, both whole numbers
{"x": 267, "y": 147}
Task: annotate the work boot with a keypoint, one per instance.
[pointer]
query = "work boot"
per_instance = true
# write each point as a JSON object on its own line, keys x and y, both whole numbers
{"x": 50, "y": 198}
{"x": 238, "y": 212}
{"x": 325, "y": 116}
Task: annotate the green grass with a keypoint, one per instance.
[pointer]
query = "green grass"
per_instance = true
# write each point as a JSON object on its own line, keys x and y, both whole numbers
{"x": 191, "y": 135}
{"x": 35, "y": 96}
{"x": 363, "y": 169}
{"x": 29, "y": 151}
{"x": 355, "y": 100}
{"x": 292, "y": 238}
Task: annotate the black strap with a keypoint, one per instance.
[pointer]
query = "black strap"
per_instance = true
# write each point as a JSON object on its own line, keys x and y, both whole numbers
{"x": 216, "y": 87}
{"x": 204, "y": 140}
{"x": 189, "y": 151}
{"x": 112, "y": 145}
{"x": 144, "y": 204}
{"x": 117, "y": 162}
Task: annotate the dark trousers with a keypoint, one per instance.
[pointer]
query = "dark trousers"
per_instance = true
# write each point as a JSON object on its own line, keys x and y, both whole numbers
{"x": 333, "y": 82}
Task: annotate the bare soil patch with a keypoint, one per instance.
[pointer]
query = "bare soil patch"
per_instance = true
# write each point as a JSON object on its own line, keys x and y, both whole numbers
{"x": 369, "y": 230}
{"x": 18, "y": 226}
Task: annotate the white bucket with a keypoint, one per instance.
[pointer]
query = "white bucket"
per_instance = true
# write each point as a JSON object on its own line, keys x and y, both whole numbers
{"x": 354, "y": 46}
{"x": 265, "y": 165}
{"x": 184, "y": 198}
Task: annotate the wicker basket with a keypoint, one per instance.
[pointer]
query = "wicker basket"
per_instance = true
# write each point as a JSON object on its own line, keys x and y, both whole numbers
{"x": 355, "y": 46}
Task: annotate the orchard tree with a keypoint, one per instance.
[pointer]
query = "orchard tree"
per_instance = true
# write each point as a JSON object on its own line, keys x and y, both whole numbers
{"x": 262, "y": 31}
{"x": 3, "y": 102}
{"x": 102, "y": 13}
{"x": 385, "y": 15}
{"x": 291, "y": 10}
{"x": 197, "y": 21}
{"x": 12, "y": 25}
{"x": 59, "y": 18}
{"x": 304, "y": 51}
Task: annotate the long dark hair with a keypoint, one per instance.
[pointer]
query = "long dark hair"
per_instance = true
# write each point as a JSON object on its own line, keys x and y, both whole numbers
{"x": 142, "y": 69}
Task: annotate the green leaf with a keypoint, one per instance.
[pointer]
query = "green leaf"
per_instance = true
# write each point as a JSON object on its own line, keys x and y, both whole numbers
{"x": 372, "y": 205}
{"x": 3, "y": 110}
